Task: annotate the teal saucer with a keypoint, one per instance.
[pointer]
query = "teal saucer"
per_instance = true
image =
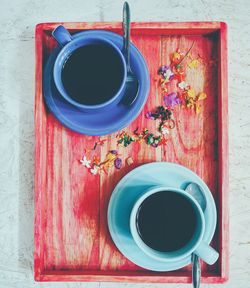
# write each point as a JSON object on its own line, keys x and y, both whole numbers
{"x": 132, "y": 186}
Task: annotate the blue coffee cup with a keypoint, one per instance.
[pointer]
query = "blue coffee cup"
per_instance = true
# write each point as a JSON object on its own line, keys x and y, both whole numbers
{"x": 195, "y": 245}
{"x": 69, "y": 46}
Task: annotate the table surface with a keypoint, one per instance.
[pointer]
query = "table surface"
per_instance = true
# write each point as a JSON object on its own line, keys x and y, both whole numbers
{"x": 18, "y": 19}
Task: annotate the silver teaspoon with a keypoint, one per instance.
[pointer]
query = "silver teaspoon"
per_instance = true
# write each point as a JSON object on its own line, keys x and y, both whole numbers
{"x": 196, "y": 191}
{"x": 132, "y": 85}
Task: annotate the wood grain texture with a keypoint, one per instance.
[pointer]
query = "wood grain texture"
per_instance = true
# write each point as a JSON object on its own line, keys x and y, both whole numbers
{"x": 72, "y": 242}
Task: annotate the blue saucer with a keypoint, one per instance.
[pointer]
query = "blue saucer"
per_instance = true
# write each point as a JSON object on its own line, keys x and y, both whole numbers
{"x": 103, "y": 122}
{"x": 133, "y": 185}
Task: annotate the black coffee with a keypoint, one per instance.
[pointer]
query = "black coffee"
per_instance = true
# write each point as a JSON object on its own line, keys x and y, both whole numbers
{"x": 166, "y": 221}
{"x": 92, "y": 74}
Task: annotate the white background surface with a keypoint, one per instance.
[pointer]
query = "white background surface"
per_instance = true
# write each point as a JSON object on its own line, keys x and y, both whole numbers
{"x": 17, "y": 25}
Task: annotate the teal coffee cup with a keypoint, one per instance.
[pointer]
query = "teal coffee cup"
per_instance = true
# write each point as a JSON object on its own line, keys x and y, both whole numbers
{"x": 168, "y": 224}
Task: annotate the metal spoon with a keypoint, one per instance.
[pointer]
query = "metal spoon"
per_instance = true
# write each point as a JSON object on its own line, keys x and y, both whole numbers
{"x": 196, "y": 191}
{"x": 132, "y": 85}
{"x": 196, "y": 271}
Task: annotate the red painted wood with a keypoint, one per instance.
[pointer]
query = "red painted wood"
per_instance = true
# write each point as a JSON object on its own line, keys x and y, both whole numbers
{"x": 40, "y": 158}
{"x": 223, "y": 155}
{"x": 72, "y": 242}
{"x": 125, "y": 277}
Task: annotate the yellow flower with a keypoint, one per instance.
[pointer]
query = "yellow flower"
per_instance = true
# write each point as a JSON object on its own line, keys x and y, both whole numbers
{"x": 197, "y": 108}
{"x": 191, "y": 93}
{"x": 201, "y": 96}
{"x": 176, "y": 57}
{"x": 193, "y": 64}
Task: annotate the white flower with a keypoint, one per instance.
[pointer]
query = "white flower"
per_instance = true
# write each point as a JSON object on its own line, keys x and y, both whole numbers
{"x": 94, "y": 170}
{"x": 85, "y": 162}
{"x": 164, "y": 130}
{"x": 183, "y": 85}
{"x": 168, "y": 74}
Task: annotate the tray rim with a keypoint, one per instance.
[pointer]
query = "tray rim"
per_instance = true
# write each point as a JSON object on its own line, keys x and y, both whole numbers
{"x": 172, "y": 28}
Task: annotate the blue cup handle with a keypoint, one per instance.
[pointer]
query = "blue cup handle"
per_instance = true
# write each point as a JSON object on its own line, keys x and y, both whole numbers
{"x": 207, "y": 253}
{"x": 61, "y": 35}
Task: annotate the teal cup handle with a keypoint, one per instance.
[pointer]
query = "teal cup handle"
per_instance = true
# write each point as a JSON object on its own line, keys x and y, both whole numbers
{"x": 206, "y": 253}
{"x": 61, "y": 35}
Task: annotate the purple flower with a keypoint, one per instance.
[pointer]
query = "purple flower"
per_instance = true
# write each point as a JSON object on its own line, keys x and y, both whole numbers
{"x": 172, "y": 99}
{"x": 163, "y": 69}
{"x": 118, "y": 163}
{"x": 114, "y": 152}
{"x": 155, "y": 145}
{"x": 149, "y": 115}
{"x": 166, "y": 72}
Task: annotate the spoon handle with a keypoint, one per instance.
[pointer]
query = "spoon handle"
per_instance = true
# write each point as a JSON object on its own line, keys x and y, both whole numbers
{"x": 196, "y": 271}
{"x": 126, "y": 31}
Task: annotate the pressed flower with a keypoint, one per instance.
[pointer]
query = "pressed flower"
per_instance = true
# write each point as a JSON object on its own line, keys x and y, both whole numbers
{"x": 193, "y": 64}
{"x": 110, "y": 157}
{"x": 191, "y": 93}
{"x": 172, "y": 100}
{"x": 100, "y": 142}
{"x": 96, "y": 160}
{"x": 154, "y": 145}
{"x": 163, "y": 141}
{"x": 168, "y": 74}
{"x": 149, "y": 115}
{"x": 197, "y": 108}
{"x": 85, "y": 162}
{"x": 163, "y": 69}
{"x": 202, "y": 96}
{"x": 176, "y": 57}
{"x": 118, "y": 163}
{"x": 129, "y": 161}
{"x": 150, "y": 139}
{"x": 94, "y": 170}
{"x": 164, "y": 130}
{"x": 183, "y": 85}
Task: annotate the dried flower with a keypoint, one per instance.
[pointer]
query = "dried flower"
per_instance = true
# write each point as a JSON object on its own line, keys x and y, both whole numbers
{"x": 164, "y": 130}
{"x": 100, "y": 142}
{"x": 85, "y": 162}
{"x": 201, "y": 96}
{"x": 183, "y": 85}
{"x": 191, "y": 93}
{"x": 166, "y": 72}
{"x": 163, "y": 69}
{"x": 110, "y": 157}
{"x": 149, "y": 115}
{"x": 171, "y": 100}
{"x": 118, "y": 163}
{"x": 194, "y": 63}
{"x": 150, "y": 139}
{"x": 163, "y": 141}
{"x": 129, "y": 161}
{"x": 176, "y": 57}
{"x": 124, "y": 139}
{"x": 94, "y": 170}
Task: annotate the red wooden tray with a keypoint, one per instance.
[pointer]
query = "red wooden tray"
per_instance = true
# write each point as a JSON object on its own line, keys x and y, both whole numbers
{"x": 72, "y": 242}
